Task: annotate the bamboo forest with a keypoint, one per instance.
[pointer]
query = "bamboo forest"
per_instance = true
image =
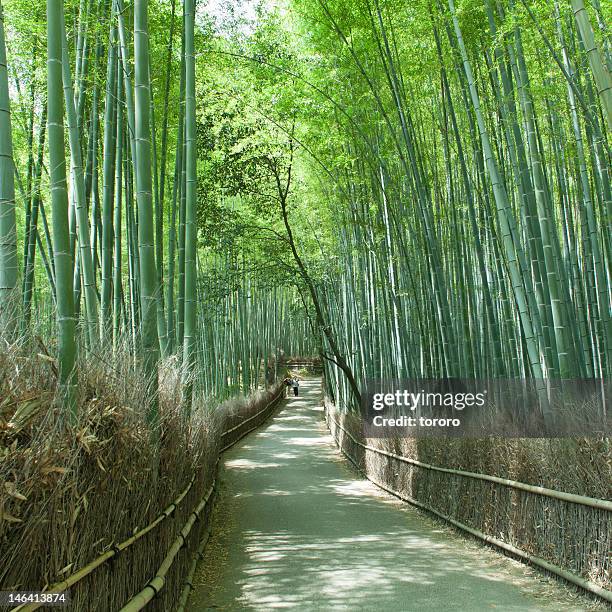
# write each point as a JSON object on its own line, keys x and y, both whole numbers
{"x": 305, "y": 304}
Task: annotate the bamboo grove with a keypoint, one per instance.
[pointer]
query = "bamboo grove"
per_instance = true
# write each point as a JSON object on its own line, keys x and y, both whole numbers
{"x": 428, "y": 181}
{"x": 98, "y": 203}
{"x": 473, "y": 217}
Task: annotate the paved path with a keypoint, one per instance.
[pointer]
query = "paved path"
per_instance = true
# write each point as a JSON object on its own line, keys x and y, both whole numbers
{"x": 295, "y": 527}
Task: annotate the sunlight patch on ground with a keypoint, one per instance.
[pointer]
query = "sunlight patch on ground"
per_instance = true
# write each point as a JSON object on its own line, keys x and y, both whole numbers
{"x": 276, "y": 492}
{"x": 304, "y": 441}
{"x": 354, "y": 487}
{"x": 275, "y": 428}
{"x": 296, "y": 417}
{"x": 247, "y": 464}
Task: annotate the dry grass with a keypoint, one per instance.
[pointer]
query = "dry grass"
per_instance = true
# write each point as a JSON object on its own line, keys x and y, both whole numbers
{"x": 70, "y": 493}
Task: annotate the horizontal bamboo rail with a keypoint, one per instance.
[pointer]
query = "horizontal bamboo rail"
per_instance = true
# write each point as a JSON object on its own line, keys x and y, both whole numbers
{"x": 593, "y": 502}
{"x": 59, "y": 587}
{"x": 242, "y": 423}
{"x": 300, "y": 364}
{"x": 156, "y": 584}
{"x": 189, "y": 581}
{"x": 542, "y": 563}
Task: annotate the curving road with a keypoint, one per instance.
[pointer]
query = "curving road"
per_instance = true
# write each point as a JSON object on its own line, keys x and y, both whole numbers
{"x": 295, "y": 527}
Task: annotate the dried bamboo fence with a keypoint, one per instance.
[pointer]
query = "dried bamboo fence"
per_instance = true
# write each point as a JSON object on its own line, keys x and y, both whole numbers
{"x": 565, "y": 534}
{"x": 195, "y": 524}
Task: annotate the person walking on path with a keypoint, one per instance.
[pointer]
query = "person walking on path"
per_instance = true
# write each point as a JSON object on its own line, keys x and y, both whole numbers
{"x": 288, "y": 384}
{"x": 296, "y": 385}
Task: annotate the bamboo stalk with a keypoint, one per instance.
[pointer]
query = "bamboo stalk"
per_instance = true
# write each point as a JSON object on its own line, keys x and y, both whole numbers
{"x": 8, "y": 224}
{"x": 59, "y": 201}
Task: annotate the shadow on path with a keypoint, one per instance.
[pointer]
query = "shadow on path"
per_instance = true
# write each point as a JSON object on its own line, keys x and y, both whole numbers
{"x": 295, "y": 527}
